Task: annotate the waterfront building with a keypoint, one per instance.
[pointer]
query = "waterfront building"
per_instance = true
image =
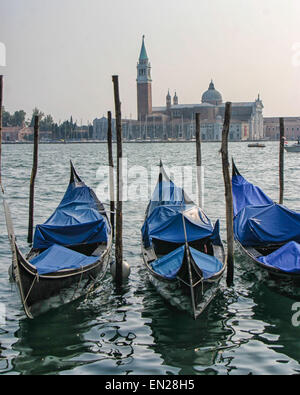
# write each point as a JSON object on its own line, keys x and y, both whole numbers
{"x": 11, "y": 134}
{"x": 100, "y": 128}
{"x": 22, "y": 133}
{"x": 291, "y": 126}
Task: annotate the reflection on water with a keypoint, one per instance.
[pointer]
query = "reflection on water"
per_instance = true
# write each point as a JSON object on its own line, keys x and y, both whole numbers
{"x": 246, "y": 329}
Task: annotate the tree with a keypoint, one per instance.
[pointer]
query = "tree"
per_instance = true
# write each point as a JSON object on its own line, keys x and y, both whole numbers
{"x": 36, "y": 112}
{"x": 46, "y": 123}
{"x": 6, "y": 118}
{"x": 18, "y": 119}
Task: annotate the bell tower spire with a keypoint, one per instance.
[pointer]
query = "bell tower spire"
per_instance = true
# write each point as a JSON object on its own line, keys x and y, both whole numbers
{"x": 144, "y": 84}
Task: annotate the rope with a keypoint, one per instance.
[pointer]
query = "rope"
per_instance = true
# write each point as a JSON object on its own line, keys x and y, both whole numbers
{"x": 90, "y": 287}
{"x": 30, "y": 289}
{"x": 78, "y": 284}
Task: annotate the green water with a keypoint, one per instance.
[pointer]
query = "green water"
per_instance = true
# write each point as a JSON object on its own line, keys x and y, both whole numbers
{"x": 246, "y": 329}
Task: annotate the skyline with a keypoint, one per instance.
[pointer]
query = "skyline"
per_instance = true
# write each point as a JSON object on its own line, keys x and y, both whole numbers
{"x": 61, "y": 55}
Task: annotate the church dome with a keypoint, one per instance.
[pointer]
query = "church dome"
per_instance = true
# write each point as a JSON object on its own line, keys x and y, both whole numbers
{"x": 212, "y": 96}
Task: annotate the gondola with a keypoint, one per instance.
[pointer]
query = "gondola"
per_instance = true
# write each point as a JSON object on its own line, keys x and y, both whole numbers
{"x": 266, "y": 232}
{"x": 182, "y": 251}
{"x": 70, "y": 253}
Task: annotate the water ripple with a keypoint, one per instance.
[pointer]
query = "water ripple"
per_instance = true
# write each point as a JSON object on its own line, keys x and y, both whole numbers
{"x": 246, "y": 330}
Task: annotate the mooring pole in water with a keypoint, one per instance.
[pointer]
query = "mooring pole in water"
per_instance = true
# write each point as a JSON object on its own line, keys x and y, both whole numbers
{"x": 228, "y": 195}
{"x": 160, "y": 180}
{"x": 281, "y": 161}
{"x": 32, "y": 179}
{"x": 111, "y": 173}
{"x": 199, "y": 161}
{"x": 119, "y": 218}
{"x": 1, "y": 106}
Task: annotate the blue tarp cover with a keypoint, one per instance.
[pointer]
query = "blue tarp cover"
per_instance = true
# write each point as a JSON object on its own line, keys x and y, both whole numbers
{"x": 75, "y": 221}
{"x": 208, "y": 264}
{"x": 166, "y": 223}
{"x": 258, "y": 220}
{"x": 166, "y": 193}
{"x": 169, "y": 265}
{"x": 286, "y": 258}
{"x": 246, "y": 194}
{"x": 260, "y": 225}
{"x": 58, "y": 258}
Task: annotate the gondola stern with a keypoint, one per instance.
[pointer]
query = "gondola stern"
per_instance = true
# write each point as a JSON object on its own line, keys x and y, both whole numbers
{"x": 235, "y": 171}
{"x": 17, "y": 276}
{"x": 74, "y": 177}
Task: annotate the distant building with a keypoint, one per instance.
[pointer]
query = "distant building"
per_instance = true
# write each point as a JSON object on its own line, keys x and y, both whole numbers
{"x": 246, "y": 116}
{"x": 291, "y": 126}
{"x": 17, "y": 133}
{"x": 100, "y": 128}
{"x": 144, "y": 85}
{"x": 174, "y": 121}
{"x": 249, "y": 115}
{"x": 11, "y": 133}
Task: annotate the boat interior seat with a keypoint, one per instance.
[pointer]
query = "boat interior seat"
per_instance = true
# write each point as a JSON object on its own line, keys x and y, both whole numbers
{"x": 253, "y": 252}
{"x": 162, "y": 247}
{"x": 150, "y": 254}
{"x": 263, "y": 251}
{"x": 99, "y": 250}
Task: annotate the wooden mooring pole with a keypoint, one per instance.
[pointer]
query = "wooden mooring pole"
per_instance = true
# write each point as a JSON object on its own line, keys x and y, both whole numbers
{"x": 1, "y": 109}
{"x": 199, "y": 161}
{"x": 281, "y": 161}
{"x": 111, "y": 173}
{"x": 32, "y": 179}
{"x": 228, "y": 195}
{"x": 119, "y": 218}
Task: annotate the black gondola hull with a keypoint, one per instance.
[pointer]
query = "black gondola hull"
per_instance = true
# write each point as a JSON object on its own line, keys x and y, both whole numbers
{"x": 37, "y": 292}
{"x": 178, "y": 293}
{"x": 264, "y": 249}
{"x": 40, "y": 288}
{"x": 189, "y": 291}
{"x": 272, "y": 272}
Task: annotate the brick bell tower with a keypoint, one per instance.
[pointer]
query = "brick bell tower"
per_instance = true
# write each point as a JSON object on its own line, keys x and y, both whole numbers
{"x": 144, "y": 85}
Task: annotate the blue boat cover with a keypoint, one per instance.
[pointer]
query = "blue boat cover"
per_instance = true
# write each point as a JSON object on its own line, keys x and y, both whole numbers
{"x": 258, "y": 220}
{"x": 208, "y": 264}
{"x": 75, "y": 221}
{"x": 166, "y": 223}
{"x": 166, "y": 193}
{"x": 165, "y": 212}
{"x": 169, "y": 265}
{"x": 246, "y": 194}
{"x": 260, "y": 225}
{"x": 57, "y": 258}
{"x": 286, "y": 258}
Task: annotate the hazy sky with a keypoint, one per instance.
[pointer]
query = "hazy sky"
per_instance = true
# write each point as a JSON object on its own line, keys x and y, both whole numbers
{"x": 61, "y": 54}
